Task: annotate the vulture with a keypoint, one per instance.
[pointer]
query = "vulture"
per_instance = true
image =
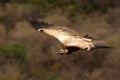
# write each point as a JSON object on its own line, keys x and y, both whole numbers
{"x": 70, "y": 39}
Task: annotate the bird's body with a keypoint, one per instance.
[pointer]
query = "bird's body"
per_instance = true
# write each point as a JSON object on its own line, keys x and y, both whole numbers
{"x": 67, "y": 37}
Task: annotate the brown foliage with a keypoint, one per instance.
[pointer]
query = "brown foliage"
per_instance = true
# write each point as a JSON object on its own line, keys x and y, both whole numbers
{"x": 44, "y": 64}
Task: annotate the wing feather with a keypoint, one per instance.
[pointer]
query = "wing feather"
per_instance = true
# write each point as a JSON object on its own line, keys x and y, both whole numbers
{"x": 67, "y": 36}
{"x": 60, "y": 32}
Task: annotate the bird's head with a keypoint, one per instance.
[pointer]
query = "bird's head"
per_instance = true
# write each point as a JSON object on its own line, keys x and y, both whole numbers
{"x": 39, "y": 26}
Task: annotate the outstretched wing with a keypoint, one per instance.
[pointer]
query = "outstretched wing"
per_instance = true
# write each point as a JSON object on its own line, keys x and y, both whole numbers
{"x": 60, "y": 32}
{"x": 67, "y": 36}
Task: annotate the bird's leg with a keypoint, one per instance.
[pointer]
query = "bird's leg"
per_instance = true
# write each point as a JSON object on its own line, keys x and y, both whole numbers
{"x": 62, "y": 51}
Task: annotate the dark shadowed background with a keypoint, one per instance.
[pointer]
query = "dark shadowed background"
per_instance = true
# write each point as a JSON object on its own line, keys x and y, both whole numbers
{"x": 26, "y": 54}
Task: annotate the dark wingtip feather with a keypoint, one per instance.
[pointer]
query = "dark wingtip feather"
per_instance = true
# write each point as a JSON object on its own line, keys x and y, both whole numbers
{"x": 36, "y": 25}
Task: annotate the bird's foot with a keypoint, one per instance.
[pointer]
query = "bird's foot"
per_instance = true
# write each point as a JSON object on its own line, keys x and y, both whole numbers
{"x": 62, "y": 52}
{"x": 87, "y": 48}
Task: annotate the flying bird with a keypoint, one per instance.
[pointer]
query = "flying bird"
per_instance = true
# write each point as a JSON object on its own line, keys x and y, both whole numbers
{"x": 70, "y": 40}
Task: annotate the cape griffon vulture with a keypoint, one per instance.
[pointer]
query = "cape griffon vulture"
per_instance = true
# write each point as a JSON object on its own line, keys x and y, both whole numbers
{"x": 71, "y": 40}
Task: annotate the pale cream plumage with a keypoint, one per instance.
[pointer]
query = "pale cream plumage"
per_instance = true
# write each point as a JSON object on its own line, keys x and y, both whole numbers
{"x": 67, "y": 37}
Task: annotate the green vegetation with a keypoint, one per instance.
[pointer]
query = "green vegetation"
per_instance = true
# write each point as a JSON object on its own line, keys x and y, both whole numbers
{"x": 69, "y": 6}
{"x": 47, "y": 76}
{"x": 17, "y": 51}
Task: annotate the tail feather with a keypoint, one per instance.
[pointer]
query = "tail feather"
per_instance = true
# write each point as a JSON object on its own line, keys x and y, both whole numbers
{"x": 100, "y": 44}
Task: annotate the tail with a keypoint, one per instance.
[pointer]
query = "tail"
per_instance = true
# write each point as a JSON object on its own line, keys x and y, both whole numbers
{"x": 101, "y": 44}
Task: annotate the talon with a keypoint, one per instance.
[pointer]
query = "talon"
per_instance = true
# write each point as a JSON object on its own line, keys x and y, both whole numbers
{"x": 59, "y": 53}
{"x": 62, "y": 51}
{"x": 87, "y": 48}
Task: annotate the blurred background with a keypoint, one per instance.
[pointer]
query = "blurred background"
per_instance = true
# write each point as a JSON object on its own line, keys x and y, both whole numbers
{"x": 26, "y": 54}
